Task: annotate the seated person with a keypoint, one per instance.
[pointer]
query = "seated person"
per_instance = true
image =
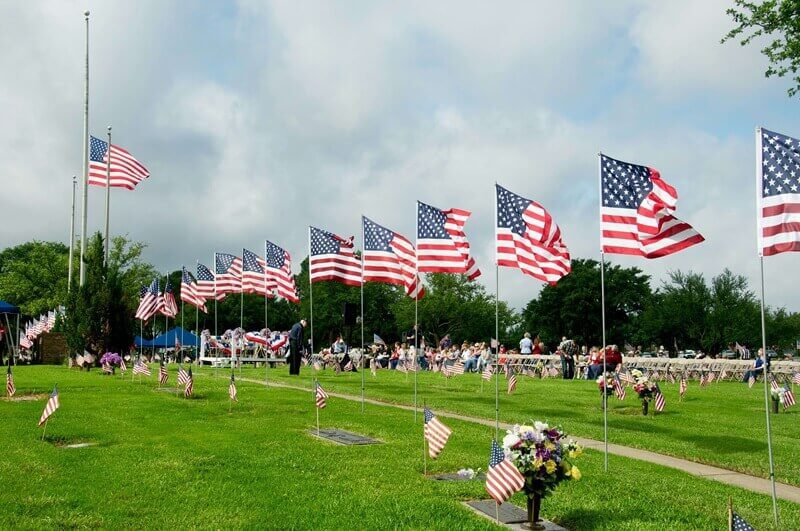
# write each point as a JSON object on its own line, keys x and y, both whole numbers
{"x": 758, "y": 367}
{"x": 395, "y": 357}
{"x": 613, "y": 358}
{"x": 595, "y": 363}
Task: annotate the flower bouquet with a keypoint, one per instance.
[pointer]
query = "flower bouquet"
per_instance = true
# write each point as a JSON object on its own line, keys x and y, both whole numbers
{"x": 110, "y": 360}
{"x": 544, "y": 458}
{"x": 644, "y": 388}
{"x": 778, "y": 397}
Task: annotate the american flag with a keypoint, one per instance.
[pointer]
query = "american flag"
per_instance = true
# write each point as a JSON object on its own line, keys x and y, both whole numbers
{"x": 436, "y": 434}
{"x": 401, "y": 367}
{"x": 349, "y": 366}
{"x": 390, "y": 257}
{"x": 619, "y": 389}
{"x": 683, "y": 385}
{"x": 778, "y": 180}
{"x": 636, "y": 212}
{"x": 183, "y": 376}
{"x": 627, "y": 377}
{"x": 457, "y": 369}
{"x": 24, "y": 342}
{"x": 488, "y": 372}
{"x": 670, "y": 377}
{"x": 788, "y": 396}
{"x": 711, "y": 377}
{"x": 151, "y": 303}
{"x": 703, "y": 379}
{"x": 796, "y": 378}
{"x": 254, "y": 277}
{"x": 321, "y": 396}
{"x": 740, "y": 524}
{"x": 189, "y": 389}
{"x": 751, "y": 381}
{"x": 122, "y": 367}
{"x": 332, "y": 258}
{"x": 503, "y": 478}
{"x": 51, "y": 406}
{"x": 163, "y": 375}
{"x": 205, "y": 284}
{"x": 659, "y": 399}
{"x": 232, "y": 389}
{"x": 141, "y": 368}
{"x": 228, "y": 270}
{"x": 107, "y": 368}
{"x": 10, "y": 389}
{"x": 723, "y": 374}
{"x": 170, "y": 308}
{"x": 512, "y": 379}
{"x": 279, "y": 272}
{"x": 442, "y": 245}
{"x": 190, "y": 291}
{"x": 126, "y": 171}
{"x": 316, "y": 365}
{"x": 773, "y": 383}
{"x": 527, "y": 238}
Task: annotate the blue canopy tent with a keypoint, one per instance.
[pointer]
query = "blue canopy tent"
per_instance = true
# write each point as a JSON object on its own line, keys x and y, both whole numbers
{"x": 167, "y": 339}
{"x": 139, "y": 341}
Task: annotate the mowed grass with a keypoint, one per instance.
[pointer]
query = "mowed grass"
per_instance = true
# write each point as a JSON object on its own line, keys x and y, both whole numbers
{"x": 164, "y": 461}
{"x": 722, "y": 424}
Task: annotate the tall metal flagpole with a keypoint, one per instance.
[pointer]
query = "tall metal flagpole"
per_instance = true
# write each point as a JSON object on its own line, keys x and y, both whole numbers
{"x": 310, "y": 295}
{"x": 241, "y": 296}
{"x": 416, "y": 302}
{"x": 166, "y": 323}
{"x": 361, "y": 360}
{"x": 108, "y": 192}
{"x": 85, "y": 175}
{"x": 759, "y": 179}
{"x": 71, "y": 235}
{"x": 176, "y": 354}
{"x": 214, "y": 265}
{"x": 197, "y": 325}
{"x": 603, "y": 313}
{"x": 266, "y": 315}
{"x": 496, "y": 326}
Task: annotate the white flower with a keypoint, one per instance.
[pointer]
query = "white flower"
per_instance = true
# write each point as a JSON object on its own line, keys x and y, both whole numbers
{"x": 509, "y": 441}
{"x": 540, "y": 426}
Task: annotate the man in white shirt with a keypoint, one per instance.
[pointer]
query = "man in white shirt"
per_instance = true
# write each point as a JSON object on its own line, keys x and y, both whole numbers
{"x": 526, "y": 345}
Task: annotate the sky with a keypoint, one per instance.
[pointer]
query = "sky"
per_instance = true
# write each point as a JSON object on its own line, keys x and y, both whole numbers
{"x": 257, "y": 119}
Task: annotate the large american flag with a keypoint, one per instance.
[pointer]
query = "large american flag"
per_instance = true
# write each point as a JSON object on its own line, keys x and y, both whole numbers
{"x": 636, "y": 212}
{"x": 442, "y": 245}
{"x": 205, "y": 284}
{"x": 332, "y": 258}
{"x": 279, "y": 272}
{"x": 390, "y": 257}
{"x": 527, "y": 238}
{"x": 10, "y": 389}
{"x": 778, "y": 185}
{"x": 51, "y": 406}
{"x": 503, "y": 478}
{"x": 126, "y": 171}
{"x": 152, "y": 302}
{"x": 254, "y": 277}
{"x": 190, "y": 291}
{"x": 436, "y": 434}
{"x": 228, "y": 269}
{"x": 170, "y": 308}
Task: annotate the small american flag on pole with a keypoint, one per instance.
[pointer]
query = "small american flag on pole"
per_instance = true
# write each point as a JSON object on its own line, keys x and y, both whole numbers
{"x": 321, "y": 397}
{"x": 773, "y": 383}
{"x": 659, "y": 399}
{"x": 163, "y": 374}
{"x": 442, "y": 245}
{"x": 503, "y": 478}
{"x": 683, "y": 385}
{"x": 778, "y": 186}
{"x": 232, "y": 389}
{"x": 333, "y": 258}
{"x": 619, "y": 389}
{"x": 51, "y": 406}
{"x": 190, "y": 292}
{"x": 788, "y": 396}
{"x": 189, "y": 389}
{"x": 751, "y": 381}
{"x": 279, "y": 272}
{"x": 488, "y": 372}
{"x": 10, "y": 389}
{"x": 636, "y": 212}
{"x": 527, "y": 238}
{"x": 126, "y": 171}
{"x": 122, "y": 367}
{"x": 436, "y": 434}
{"x": 141, "y": 368}
{"x": 390, "y": 257}
{"x": 183, "y": 376}
{"x": 796, "y": 378}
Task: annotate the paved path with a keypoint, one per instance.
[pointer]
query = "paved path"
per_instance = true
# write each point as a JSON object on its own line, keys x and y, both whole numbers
{"x": 753, "y": 483}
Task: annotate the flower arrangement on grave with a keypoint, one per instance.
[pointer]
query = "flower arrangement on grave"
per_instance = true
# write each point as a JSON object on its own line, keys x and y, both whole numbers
{"x": 544, "y": 457}
{"x": 111, "y": 358}
{"x": 778, "y": 397}
{"x": 606, "y": 383}
{"x": 645, "y": 388}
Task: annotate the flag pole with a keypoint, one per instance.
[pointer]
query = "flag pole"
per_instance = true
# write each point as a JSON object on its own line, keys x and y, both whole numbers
{"x": 71, "y": 236}
{"x": 311, "y": 300}
{"x": 267, "y": 347}
{"x": 85, "y": 175}
{"x": 416, "y": 301}
{"x": 759, "y": 178}
{"x": 241, "y": 298}
{"x": 44, "y": 430}
{"x": 496, "y": 327}
{"x": 197, "y": 326}
{"x": 424, "y": 449}
{"x": 108, "y": 191}
{"x": 315, "y": 404}
{"x": 166, "y": 323}
{"x": 361, "y": 359}
{"x": 603, "y": 312}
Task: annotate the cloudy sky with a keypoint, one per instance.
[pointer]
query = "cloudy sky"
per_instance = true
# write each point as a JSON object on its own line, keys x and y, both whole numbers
{"x": 257, "y": 119}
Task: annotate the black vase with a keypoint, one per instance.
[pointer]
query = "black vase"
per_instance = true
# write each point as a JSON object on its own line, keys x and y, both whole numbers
{"x": 645, "y": 405}
{"x": 534, "y": 504}
{"x": 775, "y": 405}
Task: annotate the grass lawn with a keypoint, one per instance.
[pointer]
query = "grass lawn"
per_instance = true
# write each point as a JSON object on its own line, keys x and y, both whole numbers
{"x": 722, "y": 424}
{"x": 163, "y": 461}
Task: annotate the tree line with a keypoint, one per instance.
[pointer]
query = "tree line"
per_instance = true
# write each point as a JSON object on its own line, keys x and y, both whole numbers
{"x": 686, "y": 311}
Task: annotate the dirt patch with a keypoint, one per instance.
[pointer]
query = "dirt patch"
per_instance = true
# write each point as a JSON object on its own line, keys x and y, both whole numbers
{"x": 25, "y": 398}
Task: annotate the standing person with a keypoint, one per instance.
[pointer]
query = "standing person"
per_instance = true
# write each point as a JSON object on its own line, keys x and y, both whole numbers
{"x": 538, "y": 347}
{"x": 525, "y": 344}
{"x": 295, "y": 344}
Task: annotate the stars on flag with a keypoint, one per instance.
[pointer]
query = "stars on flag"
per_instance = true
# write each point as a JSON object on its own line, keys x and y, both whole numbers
{"x": 779, "y": 201}
{"x": 436, "y": 434}
{"x": 503, "y": 479}
{"x": 442, "y": 245}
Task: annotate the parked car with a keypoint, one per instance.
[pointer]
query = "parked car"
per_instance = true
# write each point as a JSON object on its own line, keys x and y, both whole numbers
{"x": 729, "y": 355}
{"x": 771, "y": 353}
{"x": 647, "y": 355}
{"x": 687, "y": 354}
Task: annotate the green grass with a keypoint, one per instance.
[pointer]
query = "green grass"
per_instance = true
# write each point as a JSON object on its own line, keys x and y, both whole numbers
{"x": 163, "y": 462}
{"x": 722, "y": 424}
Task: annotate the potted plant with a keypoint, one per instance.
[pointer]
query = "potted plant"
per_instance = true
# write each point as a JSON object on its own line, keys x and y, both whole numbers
{"x": 544, "y": 457}
{"x": 111, "y": 359}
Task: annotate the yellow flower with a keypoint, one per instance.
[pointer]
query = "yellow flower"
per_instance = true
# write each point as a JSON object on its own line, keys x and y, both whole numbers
{"x": 537, "y": 463}
{"x": 575, "y": 453}
{"x": 565, "y": 466}
{"x": 576, "y": 474}
{"x": 550, "y": 466}
{"x": 549, "y": 445}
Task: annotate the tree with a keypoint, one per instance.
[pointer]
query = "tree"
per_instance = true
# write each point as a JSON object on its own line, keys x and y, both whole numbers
{"x": 778, "y": 19}
{"x": 573, "y": 306}
{"x": 734, "y": 314}
{"x": 33, "y": 275}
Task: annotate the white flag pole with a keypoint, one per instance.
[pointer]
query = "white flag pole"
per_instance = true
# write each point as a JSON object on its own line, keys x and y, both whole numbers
{"x": 603, "y": 310}
{"x": 85, "y": 175}
{"x": 71, "y": 236}
{"x": 416, "y": 302}
{"x": 108, "y": 192}
{"x": 496, "y": 326}
{"x": 361, "y": 360}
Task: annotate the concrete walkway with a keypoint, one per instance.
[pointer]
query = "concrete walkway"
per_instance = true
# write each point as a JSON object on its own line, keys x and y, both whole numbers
{"x": 752, "y": 483}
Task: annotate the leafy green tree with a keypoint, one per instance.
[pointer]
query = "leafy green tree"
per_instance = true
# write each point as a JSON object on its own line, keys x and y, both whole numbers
{"x": 778, "y": 20}
{"x": 734, "y": 314}
{"x": 573, "y": 307}
{"x": 33, "y": 275}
